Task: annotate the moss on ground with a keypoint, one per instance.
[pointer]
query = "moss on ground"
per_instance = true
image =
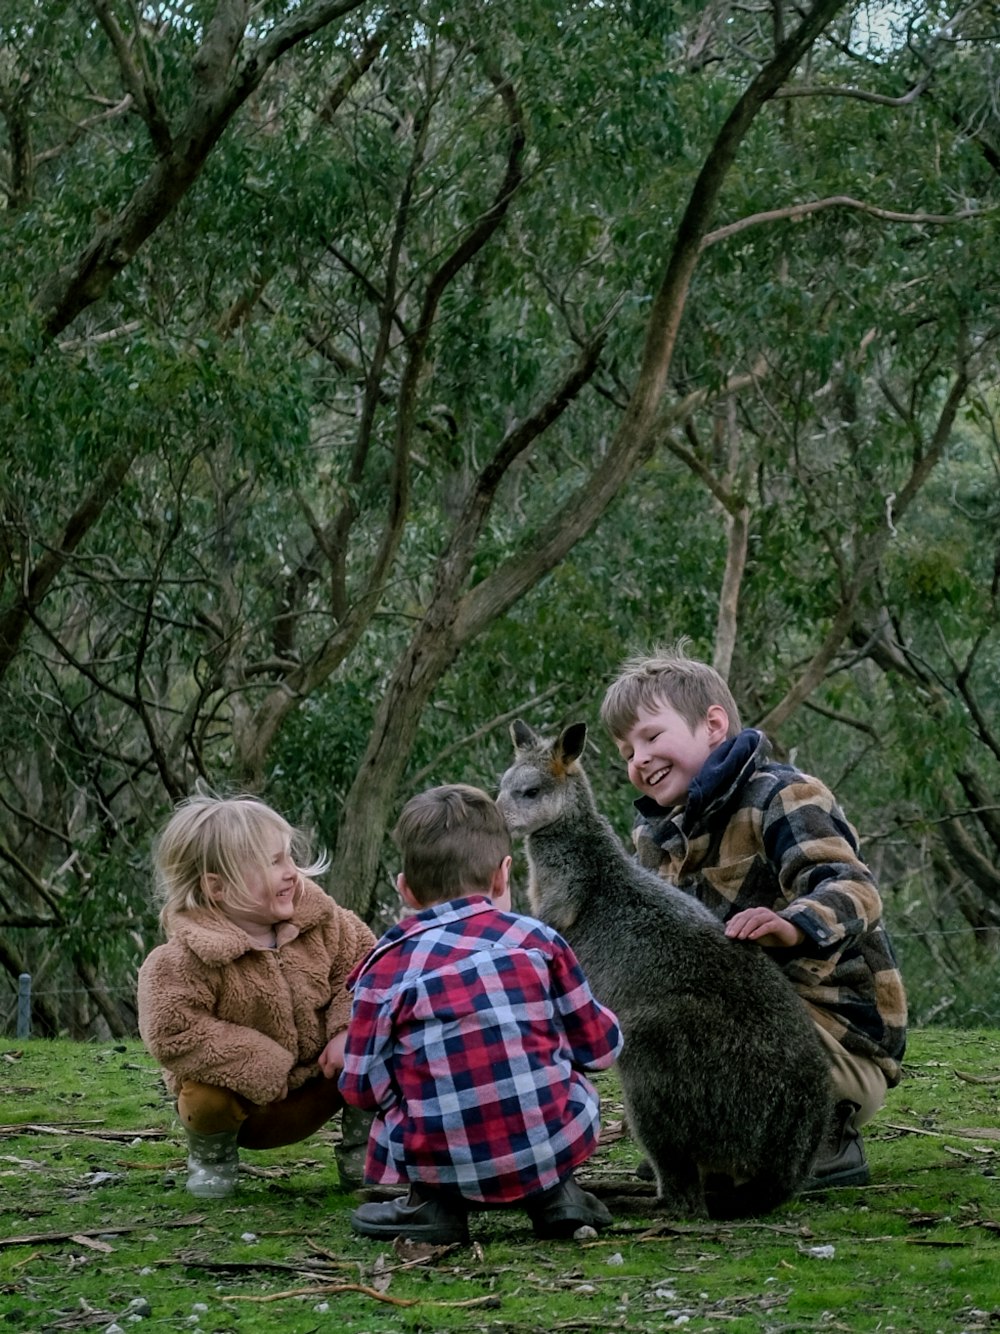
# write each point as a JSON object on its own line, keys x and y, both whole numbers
{"x": 97, "y": 1231}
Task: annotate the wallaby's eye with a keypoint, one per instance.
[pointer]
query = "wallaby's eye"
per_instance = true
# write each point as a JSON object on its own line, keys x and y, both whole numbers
{"x": 530, "y": 792}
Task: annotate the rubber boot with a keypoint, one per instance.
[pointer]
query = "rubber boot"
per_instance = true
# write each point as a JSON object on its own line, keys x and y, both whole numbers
{"x": 352, "y": 1149}
{"x": 213, "y": 1161}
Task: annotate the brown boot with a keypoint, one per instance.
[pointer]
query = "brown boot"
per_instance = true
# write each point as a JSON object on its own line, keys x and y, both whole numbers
{"x": 840, "y": 1159}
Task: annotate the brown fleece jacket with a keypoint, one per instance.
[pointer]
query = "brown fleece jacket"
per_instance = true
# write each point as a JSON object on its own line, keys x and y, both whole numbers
{"x": 212, "y": 1008}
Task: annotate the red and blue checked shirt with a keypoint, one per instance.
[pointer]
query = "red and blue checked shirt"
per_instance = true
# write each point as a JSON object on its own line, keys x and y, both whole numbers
{"x": 469, "y": 1031}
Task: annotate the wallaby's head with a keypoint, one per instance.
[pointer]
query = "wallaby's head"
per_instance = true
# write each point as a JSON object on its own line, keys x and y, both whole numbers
{"x": 546, "y": 779}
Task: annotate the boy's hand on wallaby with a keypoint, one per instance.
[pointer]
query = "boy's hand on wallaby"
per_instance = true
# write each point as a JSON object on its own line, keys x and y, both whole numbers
{"x": 763, "y": 926}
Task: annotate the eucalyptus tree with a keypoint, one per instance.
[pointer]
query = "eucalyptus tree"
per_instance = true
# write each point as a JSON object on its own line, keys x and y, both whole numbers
{"x": 331, "y": 330}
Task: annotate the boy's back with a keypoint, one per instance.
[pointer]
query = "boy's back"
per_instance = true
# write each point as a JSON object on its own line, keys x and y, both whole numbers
{"x": 469, "y": 1035}
{"x": 469, "y": 1031}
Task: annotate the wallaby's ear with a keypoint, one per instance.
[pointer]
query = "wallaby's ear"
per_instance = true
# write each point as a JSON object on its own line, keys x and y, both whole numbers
{"x": 522, "y": 735}
{"x": 569, "y": 747}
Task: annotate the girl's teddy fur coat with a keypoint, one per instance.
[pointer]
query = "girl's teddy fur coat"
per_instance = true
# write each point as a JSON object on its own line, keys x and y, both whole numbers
{"x": 214, "y": 1009}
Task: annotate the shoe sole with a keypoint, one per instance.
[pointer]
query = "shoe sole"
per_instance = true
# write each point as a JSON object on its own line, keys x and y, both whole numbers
{"x": 855, "y": 1177}
{"x": 437, "y": 1236}
{"x": 562, "y": 1226}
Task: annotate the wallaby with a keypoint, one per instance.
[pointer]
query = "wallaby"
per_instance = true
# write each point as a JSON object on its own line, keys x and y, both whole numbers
{"x": 725, "y": 1082}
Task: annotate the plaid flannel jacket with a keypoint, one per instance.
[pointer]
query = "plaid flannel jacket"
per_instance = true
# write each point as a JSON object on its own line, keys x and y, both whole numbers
{"x": 755, "y": 833}
{"x": 469, "y": 1031}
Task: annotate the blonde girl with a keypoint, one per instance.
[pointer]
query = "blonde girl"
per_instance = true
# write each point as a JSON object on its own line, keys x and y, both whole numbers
{"x": 245, "y": 1005}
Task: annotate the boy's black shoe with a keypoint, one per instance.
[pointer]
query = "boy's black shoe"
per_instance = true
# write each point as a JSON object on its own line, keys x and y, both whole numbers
{"x": 424, "y": 1215}
{"x": 557, "y": 1213}
{"x": 840, "y": 1160}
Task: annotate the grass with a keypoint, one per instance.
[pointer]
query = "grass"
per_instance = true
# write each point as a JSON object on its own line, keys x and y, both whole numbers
{"x": 98, "y": 1232}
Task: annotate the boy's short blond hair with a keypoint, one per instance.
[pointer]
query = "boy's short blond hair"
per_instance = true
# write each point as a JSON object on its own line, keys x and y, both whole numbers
{"x": 667, "y": 676}
{"x": 224, "y": 837}
{"x": 452, "y": 839}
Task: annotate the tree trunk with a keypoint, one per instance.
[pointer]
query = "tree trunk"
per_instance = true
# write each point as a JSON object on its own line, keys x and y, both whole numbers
{"x": 434, "y": 647}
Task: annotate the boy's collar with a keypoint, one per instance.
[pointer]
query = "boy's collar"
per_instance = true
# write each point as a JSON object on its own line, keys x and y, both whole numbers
{"x": 414, "y": 923}
{"x": 723, "y": 767}
{"x": 434, "y": 912}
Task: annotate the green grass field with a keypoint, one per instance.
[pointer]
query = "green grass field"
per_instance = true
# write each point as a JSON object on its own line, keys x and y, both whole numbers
{"x": 97, "y": 1231}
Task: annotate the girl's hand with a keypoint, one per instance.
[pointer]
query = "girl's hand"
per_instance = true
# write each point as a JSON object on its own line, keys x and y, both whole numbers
{"x": 763, "y": 926}
{"x": 331, "y": 1058}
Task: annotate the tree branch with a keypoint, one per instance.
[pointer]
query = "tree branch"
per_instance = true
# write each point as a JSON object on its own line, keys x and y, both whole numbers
{"x": 860, "y": 94}
{"x": 868, "y": 562}
{"x": 15, "y": 104}
{"x": 218, "y": 96}
{"x": 29, "y": 877}
{"x": 138, "y": 84}
{"x": 981, "y": 870}
{"x": 39, "y": 580}
{"x": 635, "y": 436}
{"x": 795, "y": 212}
{"x": 276, "y": 706}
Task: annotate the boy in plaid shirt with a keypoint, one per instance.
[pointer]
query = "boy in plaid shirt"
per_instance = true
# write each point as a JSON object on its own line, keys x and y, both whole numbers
{"x": 767, "y": 848}
{"x": 470, "y": 1030}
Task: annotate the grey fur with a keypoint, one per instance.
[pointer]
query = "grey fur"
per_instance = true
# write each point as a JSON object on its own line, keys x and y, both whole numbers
{"x": 723, "y": 1074}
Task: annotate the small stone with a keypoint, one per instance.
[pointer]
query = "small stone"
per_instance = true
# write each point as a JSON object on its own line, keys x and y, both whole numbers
{"x": 820, "y": 1252}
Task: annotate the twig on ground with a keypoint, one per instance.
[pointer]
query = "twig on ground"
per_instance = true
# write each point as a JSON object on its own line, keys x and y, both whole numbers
{"x": 74, "y": 1128}
{"x": 37, "y": 1238}
{"x": 330, "y": 1290}
{"x": 959, "y": 1132}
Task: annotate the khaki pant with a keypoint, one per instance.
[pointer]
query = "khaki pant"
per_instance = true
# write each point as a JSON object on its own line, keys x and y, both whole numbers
{"x": 208, "y": 1109}
{"x": 854, "y": 1078}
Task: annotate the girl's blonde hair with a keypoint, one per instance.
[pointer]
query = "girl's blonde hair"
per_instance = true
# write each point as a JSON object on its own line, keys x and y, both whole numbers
{"x": 223, "y": 836}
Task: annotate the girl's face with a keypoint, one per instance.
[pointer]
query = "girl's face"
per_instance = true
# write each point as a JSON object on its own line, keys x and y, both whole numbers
{"x": 271, "y": 887}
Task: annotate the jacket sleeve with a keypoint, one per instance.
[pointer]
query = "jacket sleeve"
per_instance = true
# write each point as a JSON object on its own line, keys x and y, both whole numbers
{"x": 355, "y": 942}
{"x": 829, "y": 892}
{"x": 177, "y": 1023}
{"x": 366, "y": 1080}
{"x": 591, "y": 1029}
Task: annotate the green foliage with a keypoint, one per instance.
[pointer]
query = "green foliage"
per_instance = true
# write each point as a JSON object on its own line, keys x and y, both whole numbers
{"x": 219, "y": 607}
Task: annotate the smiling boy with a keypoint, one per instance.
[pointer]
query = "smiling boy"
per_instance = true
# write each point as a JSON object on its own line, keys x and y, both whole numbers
{"x": 769, "y": 851}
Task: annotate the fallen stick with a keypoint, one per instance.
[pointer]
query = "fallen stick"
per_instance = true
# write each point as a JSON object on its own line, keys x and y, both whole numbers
{"x": 35, "y": 1238}
{"x": 332, "y": 1290}
{"x": 73, "y": 1128}
{"x": 958, "y": 1132}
